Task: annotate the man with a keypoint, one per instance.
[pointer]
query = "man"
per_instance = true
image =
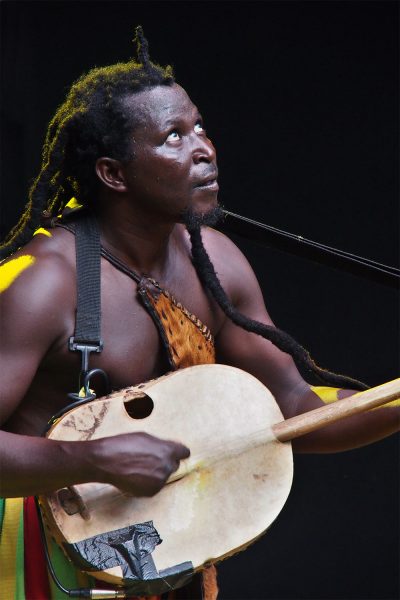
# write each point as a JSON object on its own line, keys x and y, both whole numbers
{"x": 131, "y": 147}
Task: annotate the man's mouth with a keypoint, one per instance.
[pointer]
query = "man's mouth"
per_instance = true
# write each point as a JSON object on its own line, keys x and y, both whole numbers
{"x": 210, "y": 182}
{"x": 209, "y": 185}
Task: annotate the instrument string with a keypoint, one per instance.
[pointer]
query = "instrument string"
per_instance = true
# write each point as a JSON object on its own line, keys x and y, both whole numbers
{"x": 324, "y": 248}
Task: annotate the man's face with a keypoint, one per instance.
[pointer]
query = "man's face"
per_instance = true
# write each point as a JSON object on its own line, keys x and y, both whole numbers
{"x": 174, "y": 166}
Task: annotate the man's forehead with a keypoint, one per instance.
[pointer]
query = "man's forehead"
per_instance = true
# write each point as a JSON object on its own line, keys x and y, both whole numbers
{"x": 159, "y": 103}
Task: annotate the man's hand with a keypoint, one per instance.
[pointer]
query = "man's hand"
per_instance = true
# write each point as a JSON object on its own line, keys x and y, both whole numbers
{"x": 137, "y": 463}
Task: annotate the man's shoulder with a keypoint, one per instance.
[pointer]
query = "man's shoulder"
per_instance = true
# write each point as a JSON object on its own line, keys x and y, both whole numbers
{"x": 214, "y": 240}
{"x": 41, "y": 270}
{"x": 224, "y": 251}
{"x": 218, "y": 245}
{"x": 231, "y": 266}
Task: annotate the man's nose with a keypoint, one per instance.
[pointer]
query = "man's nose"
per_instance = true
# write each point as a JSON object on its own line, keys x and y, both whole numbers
{"x": 203, "y": 150}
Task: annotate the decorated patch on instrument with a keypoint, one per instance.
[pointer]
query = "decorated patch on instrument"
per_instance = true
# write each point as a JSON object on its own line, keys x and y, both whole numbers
{"x": 130, "y": 548}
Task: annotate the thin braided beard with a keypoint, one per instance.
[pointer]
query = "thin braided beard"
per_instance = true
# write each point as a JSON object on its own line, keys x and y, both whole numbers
{"x": 279, "y": 338}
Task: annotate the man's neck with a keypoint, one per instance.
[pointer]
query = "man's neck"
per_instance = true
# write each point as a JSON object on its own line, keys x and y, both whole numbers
{"x": 143, "y": 243}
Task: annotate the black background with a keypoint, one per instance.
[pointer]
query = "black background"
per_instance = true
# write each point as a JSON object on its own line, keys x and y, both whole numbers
{"x": 300, "y": 99}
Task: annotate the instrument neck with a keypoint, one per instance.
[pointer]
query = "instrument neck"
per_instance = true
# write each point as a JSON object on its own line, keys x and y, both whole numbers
{"x": 320, "y": 417}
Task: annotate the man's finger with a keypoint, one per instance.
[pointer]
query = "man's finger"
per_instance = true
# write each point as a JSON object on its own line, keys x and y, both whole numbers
{"x": 181, "y": 451}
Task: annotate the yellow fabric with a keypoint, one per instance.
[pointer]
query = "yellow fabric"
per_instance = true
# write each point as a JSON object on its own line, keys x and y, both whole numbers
{"x": 326, "y": 394}
{"x": 391, "y": 404}
{"x": 12, "y": 269}
{"x": 8, "y": 547}
{"x": 73, "y": 204}
{"x": 330, "y": 394}
{"x": 42, "y": 231}
{"x": 82, "y": 392}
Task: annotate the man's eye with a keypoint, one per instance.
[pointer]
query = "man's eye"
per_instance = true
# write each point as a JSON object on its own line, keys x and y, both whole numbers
{"x": 173, "y": 136}
{"x": 199, "y": 128}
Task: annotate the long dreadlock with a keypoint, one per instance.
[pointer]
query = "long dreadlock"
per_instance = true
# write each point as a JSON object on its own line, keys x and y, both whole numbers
{"x": 279, "y": 338}
{"x": 93, "y": 122}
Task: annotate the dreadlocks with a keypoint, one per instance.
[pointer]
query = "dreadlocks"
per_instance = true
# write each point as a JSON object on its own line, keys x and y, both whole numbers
{"x": 279, "y": 338}
{"x": 92, "y": 122}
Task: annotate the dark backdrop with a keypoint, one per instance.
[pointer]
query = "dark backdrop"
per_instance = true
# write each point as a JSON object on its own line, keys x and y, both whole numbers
{"x": 300, "y": 99}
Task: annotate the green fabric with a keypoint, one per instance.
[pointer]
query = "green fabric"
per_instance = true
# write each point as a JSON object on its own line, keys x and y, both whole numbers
{"x": 20, "y": 579}
{"x": 69, "y": 577}
{"x": 66, "y": 573}
{"x": 2, "y": 510}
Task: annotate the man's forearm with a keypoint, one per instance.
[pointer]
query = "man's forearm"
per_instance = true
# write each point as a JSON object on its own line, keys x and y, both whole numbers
{"x": 352, "y": 432}
{"x": 138, "y": 463}
{"x": 33, "y": 465}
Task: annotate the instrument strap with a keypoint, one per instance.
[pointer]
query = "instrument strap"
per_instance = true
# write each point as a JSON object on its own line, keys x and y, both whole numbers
{"x": 88, "y": 314}
{"x": 87, "y": 335}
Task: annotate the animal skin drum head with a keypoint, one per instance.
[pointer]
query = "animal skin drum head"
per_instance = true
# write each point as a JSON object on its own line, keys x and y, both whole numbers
{"x": 239, "y": 479}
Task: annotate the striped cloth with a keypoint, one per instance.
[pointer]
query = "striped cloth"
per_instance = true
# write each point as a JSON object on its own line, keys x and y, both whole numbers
{"x": 23, "y": 570}
{"x": 22, "y": 562}
{"x": 12, "y": 549}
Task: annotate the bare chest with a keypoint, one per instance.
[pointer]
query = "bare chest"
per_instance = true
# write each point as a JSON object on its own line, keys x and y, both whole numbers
{"x": 133, "y": 351}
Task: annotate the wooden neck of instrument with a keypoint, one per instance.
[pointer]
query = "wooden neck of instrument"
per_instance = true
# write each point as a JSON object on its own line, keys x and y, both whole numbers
{"x": 320, "y": 417}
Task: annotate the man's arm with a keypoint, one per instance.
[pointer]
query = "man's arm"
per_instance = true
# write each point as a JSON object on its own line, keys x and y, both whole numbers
{"x": 276, "y": 369}
{"x": 34, "y": 302}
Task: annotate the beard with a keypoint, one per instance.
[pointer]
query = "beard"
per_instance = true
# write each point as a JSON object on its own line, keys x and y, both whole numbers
{"x": 194, "y": 220}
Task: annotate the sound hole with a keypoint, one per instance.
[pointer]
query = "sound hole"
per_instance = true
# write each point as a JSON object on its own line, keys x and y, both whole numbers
{"x": 139, "y": 408}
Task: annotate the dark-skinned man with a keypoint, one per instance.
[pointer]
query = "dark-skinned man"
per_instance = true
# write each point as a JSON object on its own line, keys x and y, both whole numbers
{"x": 141, "y": 161}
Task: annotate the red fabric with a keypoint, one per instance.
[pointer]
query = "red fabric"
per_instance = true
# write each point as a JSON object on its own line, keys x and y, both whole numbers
{"x": 36, "y": 579}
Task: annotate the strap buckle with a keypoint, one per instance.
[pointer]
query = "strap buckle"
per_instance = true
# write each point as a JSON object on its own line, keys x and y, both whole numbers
{"x": 85, "y": 348}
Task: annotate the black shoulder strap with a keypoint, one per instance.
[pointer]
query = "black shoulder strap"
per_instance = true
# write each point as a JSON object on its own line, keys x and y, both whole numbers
{"x": 87, "y": 336}
{"x": 88, "y": 314}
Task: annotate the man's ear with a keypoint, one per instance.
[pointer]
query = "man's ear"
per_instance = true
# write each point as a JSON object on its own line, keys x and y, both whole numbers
{"x": 111, "y": 173}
